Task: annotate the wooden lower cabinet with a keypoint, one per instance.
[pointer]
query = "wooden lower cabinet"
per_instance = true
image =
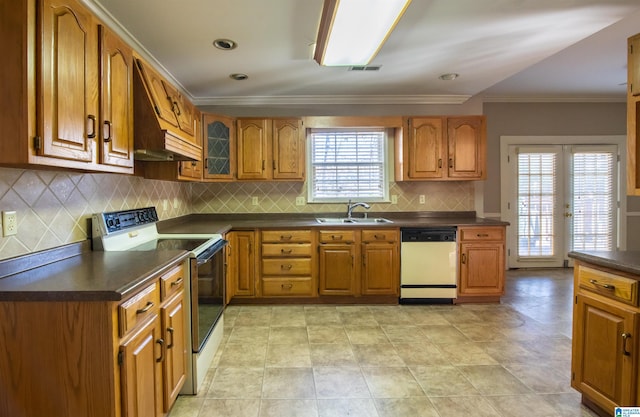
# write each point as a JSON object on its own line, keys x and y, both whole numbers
{"x": 337, "y": 273}
{"x": 605, "y": 347}
{"x": 481, "y": 254}
{"x": 241, "y": 267}
{"x": 287, "y": 264}
{"x": 380, "y": 262}
{"x": 95, "y": 358}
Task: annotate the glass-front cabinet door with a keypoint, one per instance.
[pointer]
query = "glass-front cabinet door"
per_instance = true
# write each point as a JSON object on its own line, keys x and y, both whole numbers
{"x": 219, "y": 148}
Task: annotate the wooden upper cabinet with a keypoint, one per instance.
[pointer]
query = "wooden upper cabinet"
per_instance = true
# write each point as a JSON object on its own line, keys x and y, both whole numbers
{"x": 425, "y": 147}
{"x": 116, "y": 99}
{"x": 253, "y": 148}
{"x": 157, "y": 90}
{"x": 466, "y": 140}
{"x": 288, "y": 149}
{"x": 219, "y": 147}
{"x": 633, "y": 115}
{"x": 182, "y": 109}
{"x": 68, "y": 102}
{"x": 442, "y": 148}
{"x": 633, "y": 65}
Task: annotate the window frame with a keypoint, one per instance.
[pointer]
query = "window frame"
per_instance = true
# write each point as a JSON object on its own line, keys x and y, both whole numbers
{"x": 386, "y": 154}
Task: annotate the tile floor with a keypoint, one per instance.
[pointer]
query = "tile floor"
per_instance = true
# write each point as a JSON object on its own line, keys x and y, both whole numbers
{"x": 508, "y": 359}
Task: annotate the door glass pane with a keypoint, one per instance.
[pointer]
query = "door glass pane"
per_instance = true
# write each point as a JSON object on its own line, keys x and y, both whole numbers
{"x": 536, "y": 198}
{"x": 593, "y": 201}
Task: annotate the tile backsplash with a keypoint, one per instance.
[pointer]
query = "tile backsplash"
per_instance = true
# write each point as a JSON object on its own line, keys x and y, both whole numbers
{"x": 53, "y": 206}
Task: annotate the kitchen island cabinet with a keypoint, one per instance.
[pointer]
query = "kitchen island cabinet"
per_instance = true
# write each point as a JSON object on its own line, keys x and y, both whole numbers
{"x": 606, "y": 325}
{"x": 73, "y": 350}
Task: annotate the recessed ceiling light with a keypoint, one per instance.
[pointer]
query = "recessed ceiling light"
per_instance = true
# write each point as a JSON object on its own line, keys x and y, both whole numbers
{"x": 449, "y": 76}
{"x": 238, "y": 77}
{"x": 225, "y": 44}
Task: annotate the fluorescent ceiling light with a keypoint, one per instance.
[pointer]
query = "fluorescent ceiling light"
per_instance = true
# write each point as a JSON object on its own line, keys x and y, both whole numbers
{"x": 353, "y": 31}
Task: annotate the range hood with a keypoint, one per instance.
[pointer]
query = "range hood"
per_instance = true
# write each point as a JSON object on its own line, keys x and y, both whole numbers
{"x": 156, "y": 136}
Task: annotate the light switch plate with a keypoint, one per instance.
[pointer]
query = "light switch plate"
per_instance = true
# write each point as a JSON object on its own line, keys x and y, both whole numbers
{"x": 9, "y": 223}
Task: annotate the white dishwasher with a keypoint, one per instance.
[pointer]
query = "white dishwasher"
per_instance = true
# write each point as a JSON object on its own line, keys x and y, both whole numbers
{"x": 428, "y": 260}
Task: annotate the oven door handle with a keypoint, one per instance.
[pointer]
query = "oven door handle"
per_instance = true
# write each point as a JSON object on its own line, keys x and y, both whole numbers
{"x": 210, "y": 252}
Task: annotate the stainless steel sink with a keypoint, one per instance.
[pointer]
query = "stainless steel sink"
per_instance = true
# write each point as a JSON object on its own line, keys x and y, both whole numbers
{"x": 353, "y": 220}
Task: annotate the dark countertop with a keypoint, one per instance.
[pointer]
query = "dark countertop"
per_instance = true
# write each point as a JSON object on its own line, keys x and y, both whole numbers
{"x": 89, "y": 276}
{"x": 222, "y": 223}
{"x": 625, "y": 261}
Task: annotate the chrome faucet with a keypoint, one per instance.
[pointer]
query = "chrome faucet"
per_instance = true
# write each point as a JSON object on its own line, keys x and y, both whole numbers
{"x": 350, "y": 207}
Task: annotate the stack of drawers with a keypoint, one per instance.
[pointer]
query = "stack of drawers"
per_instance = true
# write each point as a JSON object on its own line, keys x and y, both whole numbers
{"x": 287, "y": 259}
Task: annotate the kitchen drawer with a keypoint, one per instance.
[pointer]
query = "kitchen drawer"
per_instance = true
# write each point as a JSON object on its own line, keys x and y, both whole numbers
{"x": 286, "y": 249}
{"x": 337, "y": 236}
{"x": 610, "y": 285}
{"x": 137, "y": 308}
{"x": 474, "y": 234}
{"x": 282, "y": 287}
{"x": 172, "y": 282}
{"x": 293, "y": 266}
{"x": 380, "y": 235}
{"x": 286, "y": 236}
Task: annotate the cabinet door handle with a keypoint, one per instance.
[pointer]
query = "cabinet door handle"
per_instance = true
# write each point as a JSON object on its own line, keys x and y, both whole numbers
{"x": 170, "y": 331}
{"x": 263, "y": 164}
{"x": 145, "y": 308}
{"x": 464, "y": 258}
{"x": 625, "y": 337}
{"x": 91, "y": 126}
{"x": 177, "y": 282}
{"x": 161, "y": 343}
{"x": 274, "y": 164}
{"x": 450, "y": 162}
{"x": 106, "y": 131}
{"x": 176, "y": 108}
{"x": 439, "y": 162}
{"x": 605, "y": 286}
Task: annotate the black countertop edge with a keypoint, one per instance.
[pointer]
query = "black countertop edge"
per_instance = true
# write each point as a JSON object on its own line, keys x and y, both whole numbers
{"x": 22, "y": 263}
{"x": 625, "y": 261}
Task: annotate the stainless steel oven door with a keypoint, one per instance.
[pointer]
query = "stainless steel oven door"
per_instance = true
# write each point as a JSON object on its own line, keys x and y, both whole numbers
{"x": 207, "y": 293}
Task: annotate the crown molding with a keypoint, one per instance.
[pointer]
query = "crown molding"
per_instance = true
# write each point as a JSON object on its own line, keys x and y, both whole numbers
{"x": 331, "y": 100}
{"x": 555, "y": 99}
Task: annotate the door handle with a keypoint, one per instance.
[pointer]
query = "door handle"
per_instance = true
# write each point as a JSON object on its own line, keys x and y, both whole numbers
{"x": 625, "y": 337}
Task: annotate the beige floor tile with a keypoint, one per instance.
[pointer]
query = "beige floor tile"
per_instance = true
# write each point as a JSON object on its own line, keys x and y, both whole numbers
{"x": 288, "y": 316}
{"x": 236, "y": 382}
{"x": 259, "y": 317}
{"x": 423, "y": 315}
{"x": 332, "y": 354}
{"x": 328, "y": 333}
{"x": 493, "y": 380}
{"x": 340, "y": 382}
{"x": 288, "y": 383}
{"x": 481, "y": 333}
{"x": 241, "y": 354}
{"x": 187, "y": 406}
{"x": 250, "y": 334}
{"x": 288, "y": 356}
{"x": 288, "y": 335}
{"x": 409, "y": 407}
{"x": 358, "y": 318}
{"x": 359, "y": 407}
{"x": 392, "y": 383}
{"x": 543, "y": 379}
{"x": 443, "y": 334}
{"x": 568, "y": 405}
{"x": 442, "y": 381}
{"x": 230, "y": 408}
{"x": 321, "y": 315}
{"x": 366, "y": 335}
{"x": 425, "y": 353}
{"x": 459, "y": 314}
{"x": 470, "y": 353}
{"x": 508, "y": 352}
{"x": 381, "y": 354}
{"x": 288, "y": 408}
{"x": 531, "y": 405}
{"x": 464, "y": 407}
{"x": 404, "y": 333}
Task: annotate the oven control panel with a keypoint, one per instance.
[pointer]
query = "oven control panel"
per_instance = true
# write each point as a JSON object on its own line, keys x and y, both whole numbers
{"x": 116, "y": 221}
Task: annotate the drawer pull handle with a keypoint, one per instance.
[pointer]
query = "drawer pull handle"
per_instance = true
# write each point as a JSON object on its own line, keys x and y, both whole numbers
{"x": 176, "y": 282}
{"x": 336, "y": 237}
{"x": 287, "y": 286}
{"x": 625, "y": 337}
{"x": 170, "y": 331}
{"x": 287, "y": 237}
{"x": 286, "y": 251}
{"x": 145, "y": 308}
{"x": 605, "y": 286}
{"x": 161, "y": 343}
{"x": 483, "y": 235}
{"x": 286, "y": 267}
{"x": 380, "y": 237}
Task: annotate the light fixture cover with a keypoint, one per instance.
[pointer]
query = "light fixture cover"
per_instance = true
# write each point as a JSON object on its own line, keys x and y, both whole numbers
{"x": 353, "y": 31}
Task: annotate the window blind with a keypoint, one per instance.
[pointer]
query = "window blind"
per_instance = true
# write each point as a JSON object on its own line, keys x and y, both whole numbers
{"x": 347, "y": 164}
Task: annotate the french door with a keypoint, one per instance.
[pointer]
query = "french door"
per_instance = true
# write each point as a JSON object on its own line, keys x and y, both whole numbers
{"x": 562, "y": 198}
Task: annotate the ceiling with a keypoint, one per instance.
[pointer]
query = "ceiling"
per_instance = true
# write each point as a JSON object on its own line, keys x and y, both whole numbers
{"x": 503, "y": 50}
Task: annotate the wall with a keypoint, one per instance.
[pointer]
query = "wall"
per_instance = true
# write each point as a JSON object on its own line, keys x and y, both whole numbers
{"x": 552, "y": 119}
{"x": 53, "y": 206}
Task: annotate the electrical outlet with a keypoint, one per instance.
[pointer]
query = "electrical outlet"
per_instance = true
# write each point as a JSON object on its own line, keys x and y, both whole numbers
{"x": 165, "y": 204}
{"x": 422, "y": 199}
{"x": 299, "y": 201}
{"x": 254, "y": 201}
{"x": 394, "y": 199}
{"x": 9, "y": 223}
{"x": 176, "y": 203}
